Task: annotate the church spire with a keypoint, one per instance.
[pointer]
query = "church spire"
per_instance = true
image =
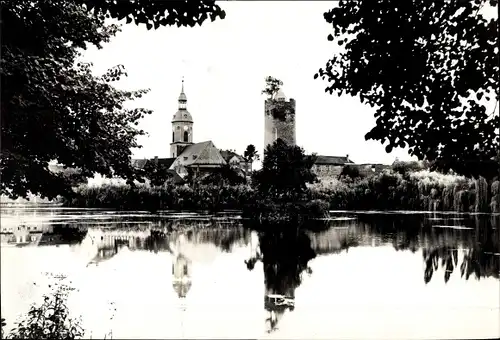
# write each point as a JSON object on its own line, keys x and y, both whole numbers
{"x": 182, "y": 97}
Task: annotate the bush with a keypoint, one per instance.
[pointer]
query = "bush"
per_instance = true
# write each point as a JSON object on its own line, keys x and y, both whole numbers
{"x": 166, "y": 197}
{"x": 349, "y": 171}
{"x": 390, "y": 190}
{"x": 50, "y": 320}
{"x": 404, "y": 168}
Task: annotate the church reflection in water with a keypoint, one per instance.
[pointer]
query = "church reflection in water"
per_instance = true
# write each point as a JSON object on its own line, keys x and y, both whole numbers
{"x": 181, "y": 275}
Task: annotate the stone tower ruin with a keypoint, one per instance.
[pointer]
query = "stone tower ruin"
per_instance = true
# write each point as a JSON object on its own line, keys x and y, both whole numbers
{"x": 279, "y": 119}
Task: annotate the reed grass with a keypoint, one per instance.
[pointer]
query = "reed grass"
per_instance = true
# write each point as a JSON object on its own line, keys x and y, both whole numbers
{"x": 390, "y": 190}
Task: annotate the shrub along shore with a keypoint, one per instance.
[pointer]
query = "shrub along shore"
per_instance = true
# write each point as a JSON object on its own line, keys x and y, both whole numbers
{"x": 389, "y": 190}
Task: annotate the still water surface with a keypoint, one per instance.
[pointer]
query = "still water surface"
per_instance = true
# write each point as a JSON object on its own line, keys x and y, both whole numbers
{"x": 370, "y": 275}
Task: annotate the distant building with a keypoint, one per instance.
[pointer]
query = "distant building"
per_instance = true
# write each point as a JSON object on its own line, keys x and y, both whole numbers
{"x": 279, "y": 119}
{"x": 367, "y": 170}
{"x": 236, "y": 160}
{"x": 330, "y": 166}
{"x": 21, "y": 235}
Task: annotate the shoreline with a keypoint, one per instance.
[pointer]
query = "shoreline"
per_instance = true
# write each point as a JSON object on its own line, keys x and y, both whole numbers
{"x": 195, "y": 212}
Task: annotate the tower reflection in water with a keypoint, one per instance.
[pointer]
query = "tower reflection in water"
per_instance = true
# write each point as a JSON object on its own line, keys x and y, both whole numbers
{"x": 284, "y": 257}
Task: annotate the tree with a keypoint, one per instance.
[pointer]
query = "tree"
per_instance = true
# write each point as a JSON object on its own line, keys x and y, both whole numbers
{"x": 404, "y": 168}
{"x": 250, "y": 155}
{"x": 156, "y": 173}
{"x": 285, "y": 172}
{"x": 273, "y": 85}
{"x": 53, "y": 108}
{"x": 157, "y": 13}
{"x": 224, "y": 175}
{"x": 349, "y": 171}
{"x": 428, "y": 68}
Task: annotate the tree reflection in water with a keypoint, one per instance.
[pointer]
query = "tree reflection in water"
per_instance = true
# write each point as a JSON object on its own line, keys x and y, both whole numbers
{"x": 479, "y": 250}
{"x": 470, "y": 243}
{"x": 285, "y": 256}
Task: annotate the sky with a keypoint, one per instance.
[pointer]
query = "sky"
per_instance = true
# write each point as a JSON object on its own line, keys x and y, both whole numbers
{"x": 224, "y": 64}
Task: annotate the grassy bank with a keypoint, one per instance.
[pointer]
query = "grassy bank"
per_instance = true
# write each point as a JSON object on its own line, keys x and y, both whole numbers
{"x": 390, "y": 190}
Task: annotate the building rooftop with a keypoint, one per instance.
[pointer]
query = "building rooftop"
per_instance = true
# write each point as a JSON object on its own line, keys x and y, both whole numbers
{"x": 332, "y": 160}
{"x": 228, "y": 154}
{"x": 205, "y": 154}
{"x": 141, "y": 163}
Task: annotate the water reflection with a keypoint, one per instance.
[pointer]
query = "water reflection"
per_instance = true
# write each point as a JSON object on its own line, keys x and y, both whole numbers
{"x": 285, "y": 256}
{"x": 200, "y": 258}
{"x": 41, "y": 235}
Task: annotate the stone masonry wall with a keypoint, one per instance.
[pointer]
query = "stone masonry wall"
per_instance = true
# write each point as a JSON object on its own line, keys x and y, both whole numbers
{"x": 279, "y": 121}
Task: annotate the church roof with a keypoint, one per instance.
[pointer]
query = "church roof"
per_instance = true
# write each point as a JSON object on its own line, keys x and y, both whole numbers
{"x": 182, "y": 116}
{"x": 332, "y": 160}
{"x": 182, "y": 96}
{"x": 206, "y": 154}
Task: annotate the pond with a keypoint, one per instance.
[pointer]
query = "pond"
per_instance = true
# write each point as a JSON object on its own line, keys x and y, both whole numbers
{"x": 369, "y": 275}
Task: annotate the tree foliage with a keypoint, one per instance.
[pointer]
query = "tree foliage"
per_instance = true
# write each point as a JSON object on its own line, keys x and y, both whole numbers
{"x": 273, "y": 85}
{"x": 157, "y": 13}
{"x": 251, "y": 155}
{"x": 349, "y": 171}
{"x": 156, "y": 173}
{"x": 285, "y": 172}
{"x": 428, "y": 68}
{"x": 404, "y": 168}
{"x": 227, "y": 174}
{"x": 53, "y": 108}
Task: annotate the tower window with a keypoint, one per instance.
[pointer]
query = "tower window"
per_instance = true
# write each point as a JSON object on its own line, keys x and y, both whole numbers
{"x": 178, "y": 128}
{"x": 186, "y": 135}
{"x": 173, "y": 137}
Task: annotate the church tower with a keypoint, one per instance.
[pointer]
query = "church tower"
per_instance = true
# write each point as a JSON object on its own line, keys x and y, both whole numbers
{"x": 279, "y": 119}
{"x": 182, "y": 127}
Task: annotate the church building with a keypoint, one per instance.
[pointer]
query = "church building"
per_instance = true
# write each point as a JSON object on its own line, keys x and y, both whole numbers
{"x": 184, "y": 153}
